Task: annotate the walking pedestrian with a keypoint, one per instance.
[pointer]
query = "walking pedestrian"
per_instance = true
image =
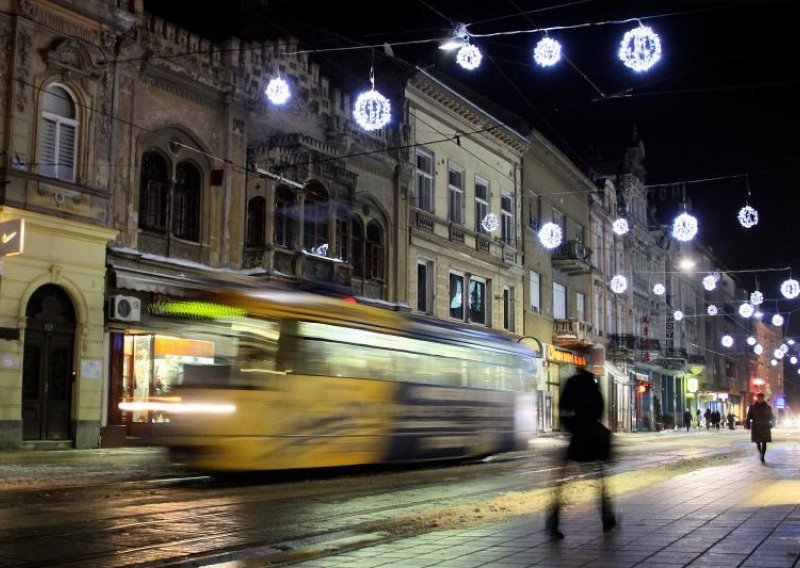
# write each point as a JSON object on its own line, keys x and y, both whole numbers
{"x": 687, "y": 419}
{"x": 707, "y": 416}
{"x": 759, "y": 420}
{"x": 580, "y": 407}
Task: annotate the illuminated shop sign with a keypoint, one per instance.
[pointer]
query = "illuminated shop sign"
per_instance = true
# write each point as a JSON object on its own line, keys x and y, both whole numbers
{"x": 560, "y": 356}
{"x": 12, "y": 237}
{"x": 692, "y": 384}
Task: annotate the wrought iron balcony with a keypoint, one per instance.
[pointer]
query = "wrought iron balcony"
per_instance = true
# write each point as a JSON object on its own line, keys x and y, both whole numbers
{"x": 572, "y": 333}
{"x": 572, "y": 257}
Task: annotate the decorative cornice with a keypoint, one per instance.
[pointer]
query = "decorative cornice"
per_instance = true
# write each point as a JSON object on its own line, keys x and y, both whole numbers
{"x": 436, "y": 92}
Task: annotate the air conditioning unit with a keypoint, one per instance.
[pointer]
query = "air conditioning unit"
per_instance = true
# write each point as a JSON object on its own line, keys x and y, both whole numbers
{"x": 125, "y": 308}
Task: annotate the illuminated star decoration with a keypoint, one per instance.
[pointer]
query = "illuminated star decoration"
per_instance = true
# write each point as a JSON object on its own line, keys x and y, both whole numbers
{"x": 756, "y": 298}
{"x": 709, "y": 283}
{"x": 727, "y": 341}
{"x": 746, "y": 310}
{"x": 619, "y": 284}
{"x": 678, "y": 315}
{"x": 372, "y": 110}
{"x": 469, "y": 57}
{"x": 790, "y": 288}
{"x": 640, "y": 48}
{"x": 547, "y": 52}
{"x": 684, "y": 228}
{"x": 777, "y": 320}
{"x": 620, "y": 226}
{"x": 490, "y": 223}
{"x": 748, "y": 217}
{"x": 550, "y": 235}
{"x": 712, "y": 310}
{"x": 278, "y": 91}
{"x": 659, "y": 289}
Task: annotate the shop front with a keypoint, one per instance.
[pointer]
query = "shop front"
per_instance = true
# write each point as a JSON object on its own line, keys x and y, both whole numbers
{"x": 559, "y": 365}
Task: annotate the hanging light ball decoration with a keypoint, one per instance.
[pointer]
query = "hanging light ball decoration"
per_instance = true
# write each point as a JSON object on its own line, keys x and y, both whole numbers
{"x": 640, "y": 48}
{"x": 469, "y": 57}
{"x": 773, "y": 362}
{"x": 709, "y": 283}
{"x": 659, "y": 289}
{"x": 778, "y": 354}
{"x": 777, "y": 320}
{"x": 278, "y": 91}
{"x": 751, "y": 341}
{"x": 716, "y": 276}
{"x": 758, "y": 315}
{"x": 677, "y": 315}
{"x": 684, "y": 228}
{"x": 790, "y": 288}
{"x": 756, "y": 298}
{"x": 490, "y": 223}
{"x": 748, "y": 217}
{"x": 620, "y": 226}
{"x": 746, "y": 310}
{"x": 727, "y": 341}
{"x": 372, "y": 110}
{"x": 758, "y": 349}
{"x": 793, "y": 360}
{"x": 784, "y": 348}
{"x": 547, "y": 52}
{"x": 550, "y": 235}
{"x": 712, "y": 310}
{"x": 619, "y": 284}
{"x": 790, "y": 341}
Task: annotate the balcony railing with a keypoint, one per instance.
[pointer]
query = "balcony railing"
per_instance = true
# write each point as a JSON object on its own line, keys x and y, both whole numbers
{"x": 572, "y": 257}
{"x": 571, "y": 333}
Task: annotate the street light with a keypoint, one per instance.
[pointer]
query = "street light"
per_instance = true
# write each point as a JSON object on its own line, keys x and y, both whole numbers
{"x": 686, "y": 263}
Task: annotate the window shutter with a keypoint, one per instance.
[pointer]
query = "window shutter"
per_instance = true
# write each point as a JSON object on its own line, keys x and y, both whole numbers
{"x": 47, "y": 149}
{"x": 66, "y": 152}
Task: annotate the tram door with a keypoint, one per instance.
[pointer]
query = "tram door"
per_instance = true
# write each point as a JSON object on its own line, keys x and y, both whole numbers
{"x": 47, "y": 374}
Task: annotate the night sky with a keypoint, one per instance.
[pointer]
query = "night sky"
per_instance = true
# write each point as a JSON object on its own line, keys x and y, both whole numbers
{"x": 722, "y": 103}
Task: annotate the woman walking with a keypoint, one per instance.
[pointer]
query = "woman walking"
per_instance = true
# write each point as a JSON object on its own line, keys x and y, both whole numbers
{"x": 759, "y": 420}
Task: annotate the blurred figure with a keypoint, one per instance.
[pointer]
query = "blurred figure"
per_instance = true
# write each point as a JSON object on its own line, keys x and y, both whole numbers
{"x": 731, "y": 421}
{"x": 687, "y": 419}
{"x": 581, "y": 407}
{"x": 759, "y": 420}
{"x": 707, "y": 416}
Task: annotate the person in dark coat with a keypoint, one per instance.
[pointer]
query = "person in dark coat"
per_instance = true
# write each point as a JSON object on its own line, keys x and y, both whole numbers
{"x": 707, "y": 416}
{"x": 580, "y": 408}
{"x": 687, "y": 419}
{"x": 759, "y": 420}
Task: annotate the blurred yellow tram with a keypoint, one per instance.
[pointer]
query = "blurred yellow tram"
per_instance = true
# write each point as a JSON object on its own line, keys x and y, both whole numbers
{"x": 294, "y": 380}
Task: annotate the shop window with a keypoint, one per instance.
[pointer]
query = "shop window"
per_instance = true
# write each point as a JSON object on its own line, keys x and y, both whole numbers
{"x": 358, "y": 249}
{"x": 507, "y": 221}
{"x": 58, "y": 134}
{"x": 425, "y": 195}
{"x": 477, "y": 301}
{"x": 455, "y": 179}
{"x": 481, "y": 203}
{"x": 456, "y": 296}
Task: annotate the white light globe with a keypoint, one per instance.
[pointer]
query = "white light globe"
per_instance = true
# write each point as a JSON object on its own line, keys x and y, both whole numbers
{"x": 547, "y": 52}
{"x": 773, "y": 362}
{"x": 709, "y": 283}
{"x": 778, "y": 354}
{"x": 659, "y": 289}
{"x": 746, "y": 310}
{"x": 756, "y": 298}
{"x": 793, "y": 360}
{"x": 684, "y": 228}
{"x": 640, "y": 49}
{"x": 678, "y": 315}
{"x": 784, "y": 348}
{"x": 727, "y": 341}
{"x": 619, "y": 284}
{"x": 372, "y": 110}
{"x": 790, "y": 288}
{"x": 620, "y": 226}
{"x": 278, "y": 91}
{"x": 469, "y": 57}
{"x": 550, "y": 235}
{"x": 777, "y": 320}
{"x": 758, "y": 349}
{"x": 712, "y": 310}
{"x": 751, "y": 340}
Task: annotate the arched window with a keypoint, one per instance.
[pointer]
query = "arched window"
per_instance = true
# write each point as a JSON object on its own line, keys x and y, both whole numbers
{"x": 343, "y": 230}
{"x": 375, "y": 256}
{"x": 315, "y": 218}
{"x": 256, "y": 218}
{"x": 186, "y": 202}
{"x": 357, "y": 259}
{"x": 284, "y": 217}
{"x": 58, "y": 138}
{"x": 153, "y": 188}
